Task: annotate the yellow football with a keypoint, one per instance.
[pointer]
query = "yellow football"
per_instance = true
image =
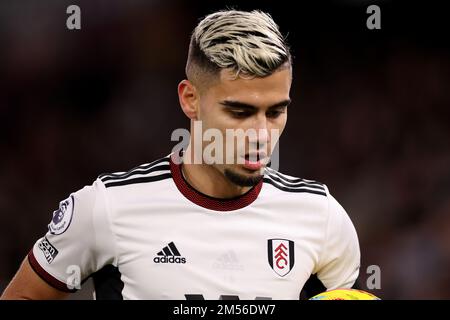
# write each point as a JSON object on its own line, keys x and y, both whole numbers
{"x": 345, "y": 294}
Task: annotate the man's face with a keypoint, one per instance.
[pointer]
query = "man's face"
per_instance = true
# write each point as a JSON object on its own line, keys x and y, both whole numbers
{"x": 256, "y": 105}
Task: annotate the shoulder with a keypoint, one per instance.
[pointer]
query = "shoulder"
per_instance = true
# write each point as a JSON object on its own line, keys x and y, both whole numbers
{"x": 149, "y": 172}
{"x": 292, "y": 184}
{"x": 321, "y": 199}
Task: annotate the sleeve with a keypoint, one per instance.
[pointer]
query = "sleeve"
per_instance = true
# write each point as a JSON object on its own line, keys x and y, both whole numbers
{"x": 340, "y": 258}
{"x": 79, "y": 240}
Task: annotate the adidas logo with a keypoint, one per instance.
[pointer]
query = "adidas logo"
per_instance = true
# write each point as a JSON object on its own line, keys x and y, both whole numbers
{"x": 169, "y": 254}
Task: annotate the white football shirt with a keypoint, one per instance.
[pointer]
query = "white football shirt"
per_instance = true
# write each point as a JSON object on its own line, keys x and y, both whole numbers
{"x": 147, "y": 234}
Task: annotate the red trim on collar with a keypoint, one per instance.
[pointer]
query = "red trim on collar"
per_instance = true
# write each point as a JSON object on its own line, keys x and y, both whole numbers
{"x": 209, "y": 202}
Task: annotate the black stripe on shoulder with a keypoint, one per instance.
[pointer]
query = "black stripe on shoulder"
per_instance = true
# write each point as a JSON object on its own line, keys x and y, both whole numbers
{"x": 301, "y": 183}
{"x": 293, "y": 180}
{"x": 297, "y": 190}
{"x": 142, "y": 169}
{"x": 138, "y": 180}
{"x": 127, "y": 176}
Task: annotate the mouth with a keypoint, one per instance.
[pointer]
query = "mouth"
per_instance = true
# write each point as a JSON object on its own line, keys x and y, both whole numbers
{"x": 255, "y": 160}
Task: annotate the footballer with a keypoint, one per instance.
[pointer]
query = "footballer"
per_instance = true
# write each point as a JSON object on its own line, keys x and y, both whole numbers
{"x": 187, "y": 227}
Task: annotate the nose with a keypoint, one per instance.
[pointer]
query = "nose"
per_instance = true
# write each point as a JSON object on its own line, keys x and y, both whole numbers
{"x": 262, "y": 132}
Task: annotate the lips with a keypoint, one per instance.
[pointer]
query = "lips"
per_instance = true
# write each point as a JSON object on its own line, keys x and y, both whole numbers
{"x": 252, "y": 165}
{"x": 254, "y": 161}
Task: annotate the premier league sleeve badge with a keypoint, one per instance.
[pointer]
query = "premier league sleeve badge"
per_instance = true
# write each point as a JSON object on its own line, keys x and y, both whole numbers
{"x": 62, "y": 217}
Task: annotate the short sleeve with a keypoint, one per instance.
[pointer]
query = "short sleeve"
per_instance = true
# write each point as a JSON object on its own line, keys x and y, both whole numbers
{"x": 79, "y": 240}
{"x": 340, "y": 259}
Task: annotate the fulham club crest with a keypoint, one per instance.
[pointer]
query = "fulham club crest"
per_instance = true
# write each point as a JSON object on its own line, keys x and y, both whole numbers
{"x": 281, "y": 255}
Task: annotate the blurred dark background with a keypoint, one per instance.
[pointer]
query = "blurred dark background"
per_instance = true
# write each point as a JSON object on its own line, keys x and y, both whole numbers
{"x": 370, "y": 116}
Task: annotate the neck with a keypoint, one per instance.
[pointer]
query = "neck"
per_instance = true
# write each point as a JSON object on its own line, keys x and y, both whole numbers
{"x": 208, "y": 179}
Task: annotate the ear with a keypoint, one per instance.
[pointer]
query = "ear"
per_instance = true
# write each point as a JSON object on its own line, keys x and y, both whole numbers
{"x": 189, "y": 98}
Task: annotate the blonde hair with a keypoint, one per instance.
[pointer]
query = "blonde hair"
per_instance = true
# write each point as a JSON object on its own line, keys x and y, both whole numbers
{"x": 249, "y": 43}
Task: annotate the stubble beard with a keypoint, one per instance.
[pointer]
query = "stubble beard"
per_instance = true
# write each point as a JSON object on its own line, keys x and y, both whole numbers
{"x": 242, "y": 180}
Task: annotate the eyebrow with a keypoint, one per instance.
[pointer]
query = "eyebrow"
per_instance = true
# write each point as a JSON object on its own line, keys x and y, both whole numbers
{"x": 242, "y": 105}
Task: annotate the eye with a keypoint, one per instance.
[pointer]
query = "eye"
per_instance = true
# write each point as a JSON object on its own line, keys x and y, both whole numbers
{"x": 239, "y": 114}
{"x": 275, "y": 113}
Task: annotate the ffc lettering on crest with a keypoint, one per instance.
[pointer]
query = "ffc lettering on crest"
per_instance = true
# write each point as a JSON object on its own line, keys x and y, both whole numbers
{"x": 281, "y": 255}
